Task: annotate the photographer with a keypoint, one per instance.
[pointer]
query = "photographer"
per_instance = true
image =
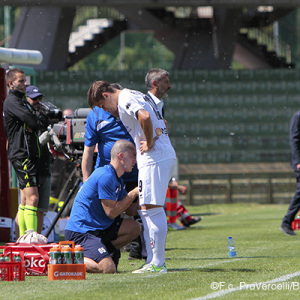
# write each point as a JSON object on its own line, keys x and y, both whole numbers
{"x": 21, "y": 128}
{"x": 34, "y": 97}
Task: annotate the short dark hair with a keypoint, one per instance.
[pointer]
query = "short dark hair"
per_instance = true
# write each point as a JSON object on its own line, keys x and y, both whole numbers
{"x": 116, "y": 86}
{"x": 95, "y": 91}
{"x": 155, "y": 74}
{"x": 11, "y": 74}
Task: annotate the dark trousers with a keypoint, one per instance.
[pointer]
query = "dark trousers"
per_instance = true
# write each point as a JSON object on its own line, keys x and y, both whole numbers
{"x": 294, "y": 205}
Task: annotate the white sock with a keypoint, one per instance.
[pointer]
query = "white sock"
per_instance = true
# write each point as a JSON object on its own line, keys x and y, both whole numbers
{"x": 158, "y": 229}
{"x": 143, "y": 214}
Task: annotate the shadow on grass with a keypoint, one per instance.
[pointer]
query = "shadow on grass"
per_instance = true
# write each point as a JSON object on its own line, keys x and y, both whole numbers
{"x": 187, "y": 228}
{"x": 219, "y": 258}
{"x": 206, "y": 214}
{"x": 171, "y": 249}
{"x": 212, "y": 270}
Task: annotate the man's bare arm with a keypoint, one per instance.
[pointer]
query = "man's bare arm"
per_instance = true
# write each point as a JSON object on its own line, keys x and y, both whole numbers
{"x": 87, "y": 162}
{"x": 114, "y": 208}
{"x": 147, "y": 127}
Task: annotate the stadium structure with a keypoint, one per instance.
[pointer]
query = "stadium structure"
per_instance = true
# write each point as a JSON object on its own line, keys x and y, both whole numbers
{"x": 229, "y": 128}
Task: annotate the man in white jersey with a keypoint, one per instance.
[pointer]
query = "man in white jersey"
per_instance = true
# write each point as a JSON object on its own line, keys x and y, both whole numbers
{"x": 156, "y": 160}
{"x": 158, "y": 86}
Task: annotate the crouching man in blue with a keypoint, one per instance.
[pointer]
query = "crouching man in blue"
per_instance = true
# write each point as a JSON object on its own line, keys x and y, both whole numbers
{"x": 94, "y": 222}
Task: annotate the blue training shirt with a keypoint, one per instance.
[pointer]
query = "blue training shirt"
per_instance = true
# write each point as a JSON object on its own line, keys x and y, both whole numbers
{"x": 87, "y": 213}
{"x": 104, "y": 129}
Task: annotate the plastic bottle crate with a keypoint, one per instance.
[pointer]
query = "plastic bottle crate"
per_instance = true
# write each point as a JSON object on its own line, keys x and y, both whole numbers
{"x": 13, "y": 270}
{"x": 35, "y": 256}
{"x": 296, "y": 223}
{"x": 66, "y": 271}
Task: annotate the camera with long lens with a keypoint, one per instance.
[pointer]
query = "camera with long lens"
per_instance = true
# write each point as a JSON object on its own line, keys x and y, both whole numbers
{"x": 66, "y": 135}
{"x": 51, "y": 111}
{"x": 71, "y": 132}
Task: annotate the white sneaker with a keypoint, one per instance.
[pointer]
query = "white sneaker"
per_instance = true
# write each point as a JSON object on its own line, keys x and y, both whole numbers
{"x": 151, "y": 268}
{"x": 175, "y": 226}
{"x": 142, "y": 268}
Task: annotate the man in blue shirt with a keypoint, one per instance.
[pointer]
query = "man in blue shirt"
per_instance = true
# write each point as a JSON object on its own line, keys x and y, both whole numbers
{"x": 103, "y": 129}
{"x": 94, "y": 221}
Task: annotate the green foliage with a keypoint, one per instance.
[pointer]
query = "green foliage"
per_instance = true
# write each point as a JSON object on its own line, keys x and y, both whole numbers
{"x": 13, "y": 16}
{"x": 83, "y": 13}
{"x": 195, "y": 258}
{"x": 235, "y": 65}
{"x": 142, "y": 51}
{"x": 289, "y": 32}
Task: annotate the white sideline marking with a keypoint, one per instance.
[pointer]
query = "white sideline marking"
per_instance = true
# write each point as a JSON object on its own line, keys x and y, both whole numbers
{"x": 224, "y": 292}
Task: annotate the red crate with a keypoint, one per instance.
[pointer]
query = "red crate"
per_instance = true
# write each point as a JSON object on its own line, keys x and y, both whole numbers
{"x": 13, "y": 270}
{"x": 296, "y": 224}
{"x": 35, "y": 256}
{"x": 67, "y": 271}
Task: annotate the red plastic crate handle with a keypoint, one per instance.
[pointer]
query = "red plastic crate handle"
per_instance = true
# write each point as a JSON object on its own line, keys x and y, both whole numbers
{"x": 69, "y": 243}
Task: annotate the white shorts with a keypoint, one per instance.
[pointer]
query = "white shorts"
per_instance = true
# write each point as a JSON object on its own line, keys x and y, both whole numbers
{"x": 153, "y": 182}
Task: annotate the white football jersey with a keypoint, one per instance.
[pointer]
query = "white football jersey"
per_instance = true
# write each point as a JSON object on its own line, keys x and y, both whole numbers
{"x": 130, "y": 102}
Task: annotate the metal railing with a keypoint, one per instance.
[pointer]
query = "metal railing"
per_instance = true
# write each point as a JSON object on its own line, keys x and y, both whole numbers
{"x": 83, "y": 13}
{"x": 273, "y": 43}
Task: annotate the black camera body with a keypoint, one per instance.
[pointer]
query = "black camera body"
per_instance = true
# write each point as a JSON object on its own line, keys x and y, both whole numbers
{"x": 67, "y": 135}
{"x": 51, "y": 111}
{"x": 71, "y": 131}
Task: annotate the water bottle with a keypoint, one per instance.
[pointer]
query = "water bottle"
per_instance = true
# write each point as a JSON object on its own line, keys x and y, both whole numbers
{"x": 78, "y": 255}
{"x": 66, "y": 255}
{"x": 55, "y": 255}
{"x": 17, "y": 257}
{"x": 7, "y": 258}
{"x": 231, "y": 248}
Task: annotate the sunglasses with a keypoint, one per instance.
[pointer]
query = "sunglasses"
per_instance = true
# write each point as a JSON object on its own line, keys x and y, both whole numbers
{"x": 40, "y": 98}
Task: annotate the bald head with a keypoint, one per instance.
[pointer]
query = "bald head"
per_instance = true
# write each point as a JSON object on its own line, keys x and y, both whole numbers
{"x": 121, "y": 146}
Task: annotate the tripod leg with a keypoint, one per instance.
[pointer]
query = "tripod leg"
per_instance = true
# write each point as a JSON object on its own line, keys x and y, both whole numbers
{"x": 78, "y": 180}
{"x": 65, "y": 187}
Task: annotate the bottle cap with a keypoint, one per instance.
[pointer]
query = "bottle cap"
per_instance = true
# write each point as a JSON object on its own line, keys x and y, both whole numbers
{"x": 55, "y": 248}
{"x": 66, "y": 248}
{"x": 78, "y": 248}
{"x": 230, "y": 238}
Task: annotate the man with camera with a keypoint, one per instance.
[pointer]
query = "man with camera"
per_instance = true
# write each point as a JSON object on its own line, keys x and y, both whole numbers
{"x": 21, "y": 128}
{"x": 34, "y": 97}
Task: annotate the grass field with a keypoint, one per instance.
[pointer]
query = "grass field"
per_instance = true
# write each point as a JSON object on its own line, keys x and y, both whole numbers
{"x": 197, "y": 262}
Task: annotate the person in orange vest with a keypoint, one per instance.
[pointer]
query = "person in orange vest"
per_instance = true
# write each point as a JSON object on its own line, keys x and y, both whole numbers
{"x": 175, "y": 210}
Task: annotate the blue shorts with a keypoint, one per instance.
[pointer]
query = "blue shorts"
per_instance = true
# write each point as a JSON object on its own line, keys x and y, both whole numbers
{"x": 96, "y": 244}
